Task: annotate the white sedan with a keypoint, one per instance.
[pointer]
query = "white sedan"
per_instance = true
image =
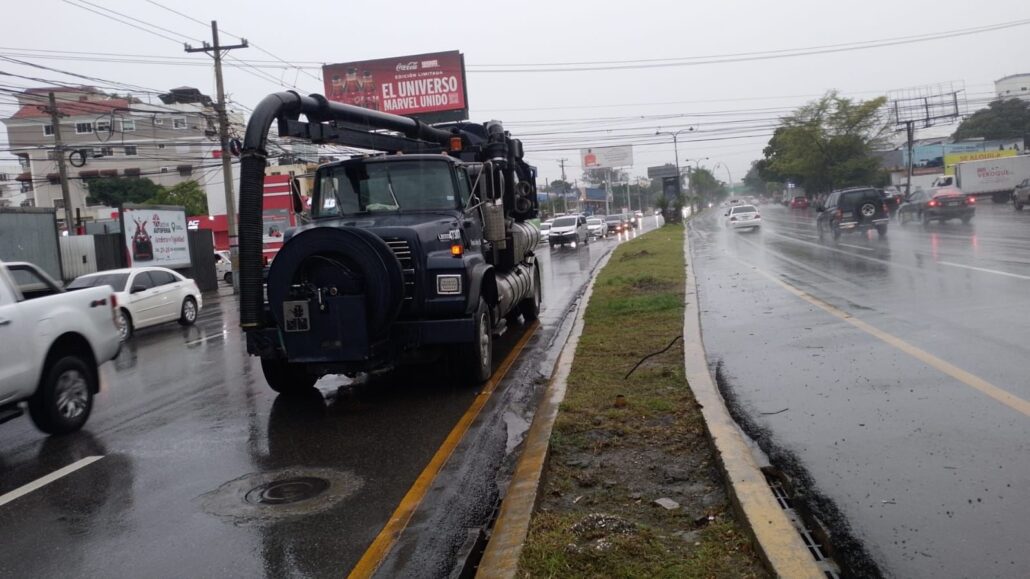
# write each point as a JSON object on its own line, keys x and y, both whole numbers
{"x": 147, "y": 296}
{"x": 743, "y": 216}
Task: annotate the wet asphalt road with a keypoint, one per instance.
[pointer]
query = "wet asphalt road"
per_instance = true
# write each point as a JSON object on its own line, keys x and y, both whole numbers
{"x": 186, "y": 426}
{"x": 928, "y": 474}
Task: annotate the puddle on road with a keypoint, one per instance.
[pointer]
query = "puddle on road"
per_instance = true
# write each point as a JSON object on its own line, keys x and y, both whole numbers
{"x": 279, "y": 494}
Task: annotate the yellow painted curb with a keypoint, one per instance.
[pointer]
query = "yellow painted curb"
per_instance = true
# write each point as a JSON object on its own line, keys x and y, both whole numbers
{"x": 501, "y": 558}
{"x": 775, "y": 537}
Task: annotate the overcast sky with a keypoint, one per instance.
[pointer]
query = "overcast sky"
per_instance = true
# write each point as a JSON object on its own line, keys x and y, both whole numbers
{"x": 531, "y": 31}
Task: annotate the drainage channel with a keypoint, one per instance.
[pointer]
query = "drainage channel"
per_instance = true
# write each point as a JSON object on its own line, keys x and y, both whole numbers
{"x": 812, "y": 532}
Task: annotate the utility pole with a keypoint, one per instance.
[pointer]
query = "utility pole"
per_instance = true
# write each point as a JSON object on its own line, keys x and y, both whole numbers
{"x": 608, "y": 193}
{"x": 564, "y": 186}
{"x": 55, "y": 122}
{"x": 216, "y": 51}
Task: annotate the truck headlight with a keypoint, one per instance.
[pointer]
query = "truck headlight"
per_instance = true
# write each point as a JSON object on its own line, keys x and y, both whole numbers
{"x": 448, "y": 284}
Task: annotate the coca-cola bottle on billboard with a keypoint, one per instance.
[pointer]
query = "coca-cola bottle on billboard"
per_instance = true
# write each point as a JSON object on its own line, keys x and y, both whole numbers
{"x": 351, "y": 87}
{"x": 368, "y": 85}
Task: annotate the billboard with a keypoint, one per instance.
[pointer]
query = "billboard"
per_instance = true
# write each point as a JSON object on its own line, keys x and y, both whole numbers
{"x": 606, "y": 157}
{"x": 952, "y": 159}
{"x": 156, "y": 235}
{"x": 429, "y": 86}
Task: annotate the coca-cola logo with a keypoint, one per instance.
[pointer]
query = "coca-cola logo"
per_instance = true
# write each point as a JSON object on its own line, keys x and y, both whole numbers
{"x": 402, "y": 66}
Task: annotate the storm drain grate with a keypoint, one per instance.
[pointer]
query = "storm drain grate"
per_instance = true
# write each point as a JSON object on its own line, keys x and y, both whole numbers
{"x": 814, "y": 539}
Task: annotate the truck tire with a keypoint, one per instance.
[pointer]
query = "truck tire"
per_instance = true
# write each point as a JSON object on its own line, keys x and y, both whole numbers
{"x": 286, "y": 378}
{"x": 1018, "y": 205}
{"x": 64, "y": 399}
{"x": 356, "y": 260}
{"x": 530, "y": 307}
{"x": 473, "y": 361}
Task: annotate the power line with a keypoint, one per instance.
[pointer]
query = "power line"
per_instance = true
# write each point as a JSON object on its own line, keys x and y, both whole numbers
{"x": 739, "y": 57}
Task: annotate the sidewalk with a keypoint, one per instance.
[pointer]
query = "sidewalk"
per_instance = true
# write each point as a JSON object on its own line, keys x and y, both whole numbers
{"x": 631, "y": 485}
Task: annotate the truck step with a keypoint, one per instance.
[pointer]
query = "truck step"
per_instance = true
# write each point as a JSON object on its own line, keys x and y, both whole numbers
{"x": 10, "y": 413}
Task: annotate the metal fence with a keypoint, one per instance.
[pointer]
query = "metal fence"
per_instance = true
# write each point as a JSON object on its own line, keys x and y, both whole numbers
{"x": 78, "y": 256}
{"x": 30, "y": 234}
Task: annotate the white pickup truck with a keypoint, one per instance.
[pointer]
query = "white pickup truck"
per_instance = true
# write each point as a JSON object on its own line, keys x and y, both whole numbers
{"x": 51, "y": 345}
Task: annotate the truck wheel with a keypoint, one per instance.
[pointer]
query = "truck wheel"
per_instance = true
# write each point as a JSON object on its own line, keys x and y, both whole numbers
{"x": 64, "y": 399}
{"x": 188, "y": 312}
{"x": 286, "y": 378}
{"x": 228, "y": 277}
{"x": 1018, "y": 205}
{"x": 530, "y": 307}
{"x": 474, "y": 360}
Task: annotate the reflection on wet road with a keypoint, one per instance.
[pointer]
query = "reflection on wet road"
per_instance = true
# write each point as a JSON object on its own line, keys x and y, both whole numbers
{"x": 186, "y": 427}
{"x": 887, "y": 373}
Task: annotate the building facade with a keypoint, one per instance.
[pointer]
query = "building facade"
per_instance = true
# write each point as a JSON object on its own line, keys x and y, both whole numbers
{"x": 1013, "y": 86}
{"x": 106, "y": 135}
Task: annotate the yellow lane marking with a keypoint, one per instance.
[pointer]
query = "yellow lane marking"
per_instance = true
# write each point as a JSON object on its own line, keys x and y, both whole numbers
{"x": 1005, "y": 397}
{"x": 381, "y": 545}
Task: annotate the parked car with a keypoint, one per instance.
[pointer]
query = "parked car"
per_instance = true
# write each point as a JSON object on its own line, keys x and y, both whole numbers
{"x": 1021, "y": 194}
{"x": 545, "y": 230}
{"x": 597, "y": 227}
{"x": 569, "y": 230}
{"x": 147, "y": 296}
{"x": 940, "y": 204}
{"x": 53, "y": 343}
{"x": 616, "y": 224}
{"x": 223, "y": 266}
{"x": 743, "y": 217}
{"x": 856, "y": 209}
{"x": 799, "y": 202}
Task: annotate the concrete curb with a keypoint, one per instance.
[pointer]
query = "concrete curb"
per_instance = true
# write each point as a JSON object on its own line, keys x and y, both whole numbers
{"x": 501, "y": 557}
{"x": 775, "y": 536}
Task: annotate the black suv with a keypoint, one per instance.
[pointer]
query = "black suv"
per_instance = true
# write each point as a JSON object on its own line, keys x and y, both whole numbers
{"x": 857, "y": 209}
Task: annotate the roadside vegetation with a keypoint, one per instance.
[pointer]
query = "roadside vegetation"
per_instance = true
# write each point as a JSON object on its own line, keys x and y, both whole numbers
{"x": 631, "y": 487}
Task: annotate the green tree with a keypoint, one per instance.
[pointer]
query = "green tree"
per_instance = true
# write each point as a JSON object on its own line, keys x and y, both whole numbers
{"x": 188, "y": 194}
{"x": 114, "y": 191}
{"x": 828, "y": 144}
{"x": 1002, "y": 119}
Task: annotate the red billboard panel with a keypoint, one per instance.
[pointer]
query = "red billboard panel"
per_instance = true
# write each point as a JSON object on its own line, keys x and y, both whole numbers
{"x": 420, "y": 85}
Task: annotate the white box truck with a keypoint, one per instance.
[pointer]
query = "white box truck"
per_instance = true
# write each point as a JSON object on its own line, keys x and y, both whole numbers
{"x": 994, "y": 177}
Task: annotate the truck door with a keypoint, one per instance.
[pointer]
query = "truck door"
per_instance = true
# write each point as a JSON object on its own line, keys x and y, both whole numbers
{"x": 474, "y": 219}
{"x": 17, "y": 338}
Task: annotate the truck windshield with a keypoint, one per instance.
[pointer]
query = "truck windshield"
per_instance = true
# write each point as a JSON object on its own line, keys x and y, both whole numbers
{"x": 385, "y": 186}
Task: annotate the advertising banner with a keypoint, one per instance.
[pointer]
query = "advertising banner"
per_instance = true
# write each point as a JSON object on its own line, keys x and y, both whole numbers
{"x": 607, "y": 157}
{"x": 953, "y": 159}
{"x": 419, "y": 85}
{"x": 156, "y": 236}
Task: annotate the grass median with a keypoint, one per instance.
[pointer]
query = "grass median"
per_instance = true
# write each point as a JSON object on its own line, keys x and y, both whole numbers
{"x": 631, "y": 487}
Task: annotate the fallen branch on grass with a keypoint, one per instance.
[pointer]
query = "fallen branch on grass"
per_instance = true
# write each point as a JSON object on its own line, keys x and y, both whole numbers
{"x": 645, "y": 358}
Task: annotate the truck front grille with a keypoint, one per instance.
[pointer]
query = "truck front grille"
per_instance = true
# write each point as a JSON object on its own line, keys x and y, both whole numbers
{"x": 402, "y": 251}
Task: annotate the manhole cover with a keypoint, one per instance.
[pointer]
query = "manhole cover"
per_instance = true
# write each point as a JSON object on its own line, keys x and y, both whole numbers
{"x": 290, "y": 492}
{"x": 283, "y": 492}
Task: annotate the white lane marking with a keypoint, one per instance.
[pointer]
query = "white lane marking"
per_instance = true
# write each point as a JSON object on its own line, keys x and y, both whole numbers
{"x": 856, "y": 247}
{"x": 206, "y": 338}
{"x": 43, "y": 481}
{"x": 985, "y": 270}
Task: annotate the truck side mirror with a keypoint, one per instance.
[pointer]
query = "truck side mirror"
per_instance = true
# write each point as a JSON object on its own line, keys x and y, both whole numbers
{"x": 298, "y": 203}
